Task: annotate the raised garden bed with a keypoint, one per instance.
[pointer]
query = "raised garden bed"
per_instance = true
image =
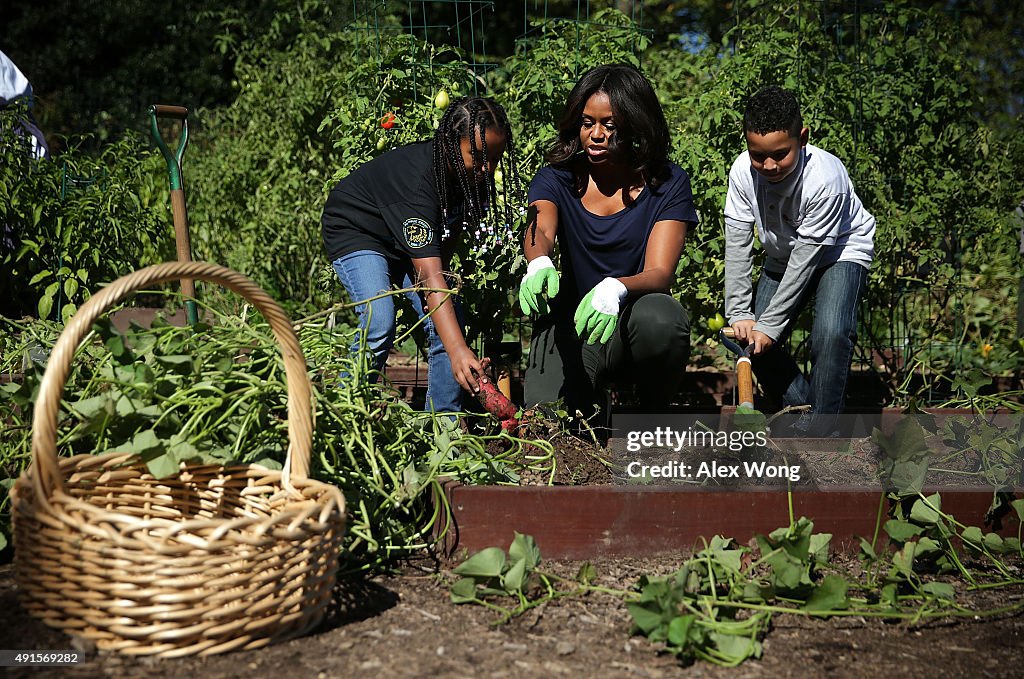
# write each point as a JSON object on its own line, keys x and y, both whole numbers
{"x": 621, "y": 516}
{"x": 586, "y": 522}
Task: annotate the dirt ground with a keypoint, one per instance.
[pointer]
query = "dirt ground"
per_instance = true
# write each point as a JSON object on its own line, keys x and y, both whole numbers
{"x": 405, "y": 626}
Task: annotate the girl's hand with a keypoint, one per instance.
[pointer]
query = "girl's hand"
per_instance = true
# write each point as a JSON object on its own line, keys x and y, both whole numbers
{"x": 465, "y": 367}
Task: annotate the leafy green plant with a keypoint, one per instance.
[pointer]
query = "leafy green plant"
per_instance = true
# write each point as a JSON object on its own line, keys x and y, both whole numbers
{"x": 719, "y": 605}
{"x": 75, "y": 222}
{"x": 492, "y": 573}
{"x": 217, "y": 393}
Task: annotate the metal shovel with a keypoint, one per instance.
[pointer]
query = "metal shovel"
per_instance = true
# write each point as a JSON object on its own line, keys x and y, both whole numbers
{"x": 744, "y": 371}
{"x": 181, "y": 235}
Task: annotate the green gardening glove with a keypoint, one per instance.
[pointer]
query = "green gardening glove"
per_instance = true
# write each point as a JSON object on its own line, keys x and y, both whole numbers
{"x": 598, "y": 312}
{"x": 541, "y": 279}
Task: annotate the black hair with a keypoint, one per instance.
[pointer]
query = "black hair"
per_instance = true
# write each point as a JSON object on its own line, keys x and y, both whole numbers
{"x": 641, "y": 137}
{"x": 773, "y": 109}
{"x": 470, "y": 118}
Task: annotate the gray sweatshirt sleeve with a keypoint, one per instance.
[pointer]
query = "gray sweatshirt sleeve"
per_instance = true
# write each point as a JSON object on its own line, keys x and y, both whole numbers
{"x": 802, "y": 263}
{"x": 739, "y": 260}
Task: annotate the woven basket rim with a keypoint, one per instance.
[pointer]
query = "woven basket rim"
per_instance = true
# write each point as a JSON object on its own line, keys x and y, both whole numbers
{"x": 49, "y": 479}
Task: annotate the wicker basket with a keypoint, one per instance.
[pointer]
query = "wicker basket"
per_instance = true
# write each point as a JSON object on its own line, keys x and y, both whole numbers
{"x": 215, "y": 559}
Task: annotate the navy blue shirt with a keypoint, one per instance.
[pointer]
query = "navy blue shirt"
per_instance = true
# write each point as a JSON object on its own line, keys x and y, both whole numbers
{"x": 593, "y": 247}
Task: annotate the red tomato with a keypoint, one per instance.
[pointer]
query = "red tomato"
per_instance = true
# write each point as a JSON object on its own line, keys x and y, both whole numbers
{"x": 388, "y": 121}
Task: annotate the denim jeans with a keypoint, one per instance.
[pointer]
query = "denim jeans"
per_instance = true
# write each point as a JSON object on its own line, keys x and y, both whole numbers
{"x": 366, "y": 274}
{"x": 836, "y": 290}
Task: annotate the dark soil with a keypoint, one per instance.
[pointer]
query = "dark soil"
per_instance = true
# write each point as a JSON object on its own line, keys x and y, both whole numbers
{"x": 405, "y": 626}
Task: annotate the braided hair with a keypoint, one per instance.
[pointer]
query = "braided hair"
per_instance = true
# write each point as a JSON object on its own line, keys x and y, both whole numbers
{"x": 471, "y": 117}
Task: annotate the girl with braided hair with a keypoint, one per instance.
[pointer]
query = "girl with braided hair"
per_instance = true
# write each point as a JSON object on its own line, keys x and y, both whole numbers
{"x": 396, "y": 219}
{"x": 618, "y": 211}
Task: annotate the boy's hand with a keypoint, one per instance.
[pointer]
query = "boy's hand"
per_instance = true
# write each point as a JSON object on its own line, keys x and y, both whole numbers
{"x": 761, "y": 342}
{"x": 745, "y": 334}
{"x": 598, "y": 312}
{"x": 742, "y": 331}
{"x": 539, "y": 284}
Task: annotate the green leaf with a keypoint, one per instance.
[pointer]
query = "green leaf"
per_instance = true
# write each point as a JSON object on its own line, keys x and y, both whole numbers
{"x": 524, "y": 548}
{"x": 586, "y": 574}
{"x": 648, "y": 616}
{"x": 903, "y": 560}
{"x": 994, "y": 543}
{"x": 154, "y": 453}
{"x": 1018, "y": 506}
{"x": 464, "y": 591}
{"x": 735, "y": 648}
{"x": 867, "y": 550}
{"x": 939, "y": 590}
{"x": 923, "y": 514}
{"x": 181, "y": 364}
{"x": 905, "y": 456}
{"x": 487, "y": 563}
{"x": 890, "y": 595}
{"x": 40, "y": 276}
{"x": 972, "y": 536}
{"x": 679, "y": 630}
{"x": 901, "y": 531}
{"x": 93, "y": 407}
{"x": 515, "y": 577}
{"x": 830, "y": 595}
{"x": 926, "y": 547}
{"x": 819, "y": 544}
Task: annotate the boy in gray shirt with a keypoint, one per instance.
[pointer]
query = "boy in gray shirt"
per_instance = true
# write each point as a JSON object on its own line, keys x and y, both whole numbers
{"x": 818, "y": 241}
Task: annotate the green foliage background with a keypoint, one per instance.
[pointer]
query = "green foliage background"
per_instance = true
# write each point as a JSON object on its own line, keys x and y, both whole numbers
{"x": 907, "y": 94}
{"x": 286, "y": 97}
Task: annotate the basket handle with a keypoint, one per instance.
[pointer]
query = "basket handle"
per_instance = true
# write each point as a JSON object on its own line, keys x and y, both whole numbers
{"x": 48, "y": 479}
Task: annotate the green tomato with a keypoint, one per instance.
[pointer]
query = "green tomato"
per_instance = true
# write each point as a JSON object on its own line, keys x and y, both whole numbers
{"x": 716, "y": 322}
{"x": 441, "y": 100}
{"x": 381, "y": 143}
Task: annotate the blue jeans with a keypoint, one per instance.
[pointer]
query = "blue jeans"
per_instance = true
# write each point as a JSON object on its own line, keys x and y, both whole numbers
{"x": 366, "y": 274}
{"x": 836, "y": 290}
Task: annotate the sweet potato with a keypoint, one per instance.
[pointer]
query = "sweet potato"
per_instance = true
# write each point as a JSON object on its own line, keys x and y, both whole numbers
{"x": 495, "y": 402}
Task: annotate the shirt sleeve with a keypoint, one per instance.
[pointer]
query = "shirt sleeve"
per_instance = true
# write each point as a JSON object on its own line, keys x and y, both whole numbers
{"x": 739, "y": 245}
{"x": 738, "y": 201}
{"x": 545, "y": 186}
{"x": 739, "y": 263}
{"x": 802, "y": 264}
{"x": 678, "y": 203}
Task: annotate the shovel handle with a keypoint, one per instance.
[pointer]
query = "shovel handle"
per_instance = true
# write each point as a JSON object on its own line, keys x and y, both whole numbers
{"x": 744, "y": 372}
{"x": 744, "y": 383}
{"x": 164, "y": 111}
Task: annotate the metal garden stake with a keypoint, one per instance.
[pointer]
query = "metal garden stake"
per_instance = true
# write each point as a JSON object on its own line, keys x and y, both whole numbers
{"x": 181, "y": 235}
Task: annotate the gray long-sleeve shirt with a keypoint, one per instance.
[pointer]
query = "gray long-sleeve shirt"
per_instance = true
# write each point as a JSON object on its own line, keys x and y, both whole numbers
{"x": 812, "y": 218}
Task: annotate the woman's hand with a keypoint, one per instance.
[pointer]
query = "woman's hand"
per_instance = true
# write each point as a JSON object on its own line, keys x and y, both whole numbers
{"x": 539, "y": 285}
{"x": 598, "y": 312}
